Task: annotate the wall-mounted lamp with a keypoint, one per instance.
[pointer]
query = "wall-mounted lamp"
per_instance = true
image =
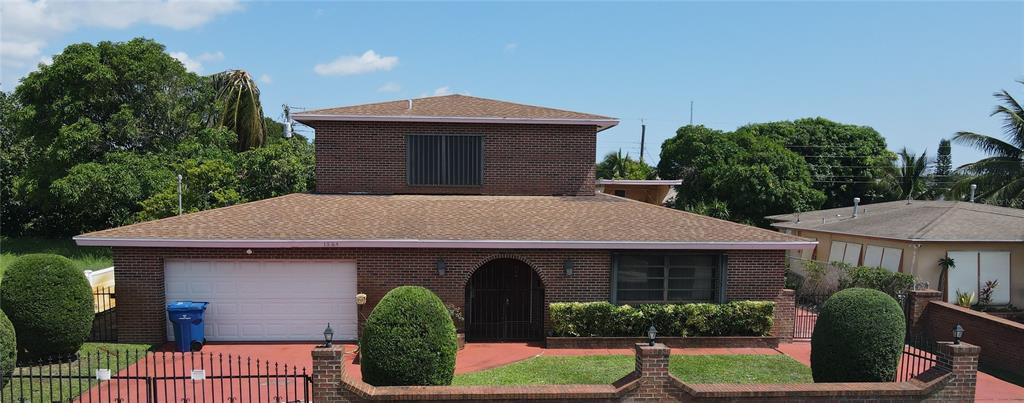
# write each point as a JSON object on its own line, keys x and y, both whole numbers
{"x": 360, "y": 299}
{"x": 568, "y": 265}
{"x": 441, "y": 266}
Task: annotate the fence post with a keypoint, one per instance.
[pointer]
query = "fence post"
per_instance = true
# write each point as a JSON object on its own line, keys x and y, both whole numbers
{"x": 919, "y": 300}
{"x": 652, "y": 369}
{"x": 963, "y": 362}
{"x": 328, "y": 371}
{"x": 784, "y": 316}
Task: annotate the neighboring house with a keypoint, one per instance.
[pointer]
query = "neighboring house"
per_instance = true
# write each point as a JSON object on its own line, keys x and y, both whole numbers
{"x": 653, "y": 191}
{"x": 986, "y": 242}
{"x": 489, "y": 204}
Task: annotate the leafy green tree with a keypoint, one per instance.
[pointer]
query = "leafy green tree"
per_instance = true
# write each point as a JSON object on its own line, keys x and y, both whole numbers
{"x": 741, "y": 174}
{"x": 906, "y": 176}
{"x": 14, "y": 156}
{"x": 277, "y": 169}
{"x": 618, "y": 166}
{"x": 845, "y": 161}
{"x": 241, "y": 112}
{"x": 1000, "y": 177}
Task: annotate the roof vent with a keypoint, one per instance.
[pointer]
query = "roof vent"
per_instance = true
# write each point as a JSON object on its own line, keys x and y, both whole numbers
{"x": 974, "y": 187}
{"x": 410, "y": 104}
{"x": 856, "y": 203}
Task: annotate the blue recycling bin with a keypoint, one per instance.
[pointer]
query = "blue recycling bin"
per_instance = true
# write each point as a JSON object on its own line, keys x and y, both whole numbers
{"x": 187, "y": 319}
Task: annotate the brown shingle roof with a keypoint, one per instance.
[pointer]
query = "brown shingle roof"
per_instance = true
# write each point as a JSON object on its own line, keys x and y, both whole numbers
{"x": 416, "y": 218}
{"x": 455, "y": 107}
{"x": 918, "y": 221}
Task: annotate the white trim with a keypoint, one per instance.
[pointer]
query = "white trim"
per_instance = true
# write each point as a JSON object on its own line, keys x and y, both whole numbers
{"x": 639, "y": 182}
{"x": 313, "y": 117}
{"x": 431, "y": 243}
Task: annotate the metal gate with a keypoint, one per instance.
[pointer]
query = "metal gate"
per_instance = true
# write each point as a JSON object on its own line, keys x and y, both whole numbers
{"x": 505, "y": 301}
{"x": 808, "y": 305}
{"x": 151, "y": 377}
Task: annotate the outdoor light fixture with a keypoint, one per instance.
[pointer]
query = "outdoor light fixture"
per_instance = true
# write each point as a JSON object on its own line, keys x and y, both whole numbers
{"x": 958, "y": 332}
{"x": 441, "y": 266}
{"x": 652, "y": 333}
{"x": 328, "y": 335}
{"x": 360, "y": 299}
{"x": 568, "y": 265}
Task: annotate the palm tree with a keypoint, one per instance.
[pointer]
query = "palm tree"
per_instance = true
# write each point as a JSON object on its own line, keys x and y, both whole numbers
{"x": 906, "y": 176}
{"x": 242, "y": 113}
{"x": 1000, "y": 177}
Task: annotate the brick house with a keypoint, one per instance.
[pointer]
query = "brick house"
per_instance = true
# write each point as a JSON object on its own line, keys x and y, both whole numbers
{"x": 490, "y": 204}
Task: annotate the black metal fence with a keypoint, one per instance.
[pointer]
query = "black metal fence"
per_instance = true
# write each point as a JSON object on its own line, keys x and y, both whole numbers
{"x": 919, "y": 355}
{"x": 146, "y": 376}
{"x": 104, "y": 324}
{"x": 807, "y": 307}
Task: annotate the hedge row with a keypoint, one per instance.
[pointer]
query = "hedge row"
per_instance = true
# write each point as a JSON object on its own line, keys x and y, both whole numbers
{"x": 604, "y": 319}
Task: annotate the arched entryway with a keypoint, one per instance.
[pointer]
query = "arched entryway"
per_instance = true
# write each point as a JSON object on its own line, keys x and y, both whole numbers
{"x": 504, "y": 301}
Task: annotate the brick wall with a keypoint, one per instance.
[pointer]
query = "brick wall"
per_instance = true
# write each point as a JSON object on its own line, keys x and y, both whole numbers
{"x": 755, "y": 274}
{"x": 651, "y": 381}
{"x": 784, "y": 316}
{"x": 518, "y": 159}
{"x": 1001, "y": 340}
{"x": 140, "y": 276}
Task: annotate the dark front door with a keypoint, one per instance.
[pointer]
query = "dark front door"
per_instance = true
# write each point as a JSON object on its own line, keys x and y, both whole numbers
{"x": 505, "y": 301}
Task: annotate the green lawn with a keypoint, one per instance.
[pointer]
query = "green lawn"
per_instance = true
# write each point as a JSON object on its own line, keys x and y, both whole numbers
{"x": 605, "y": 369}
{"x": 44, "y": 390}
{"x": 85, "y": 258}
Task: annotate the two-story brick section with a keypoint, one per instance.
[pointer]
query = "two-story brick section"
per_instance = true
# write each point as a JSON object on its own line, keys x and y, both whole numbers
{"x": 490, "y": 204}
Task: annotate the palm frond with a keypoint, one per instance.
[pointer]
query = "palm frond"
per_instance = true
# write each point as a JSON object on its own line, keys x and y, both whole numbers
{"x": 987, "y": 144}
{"x": 242, "y": 112}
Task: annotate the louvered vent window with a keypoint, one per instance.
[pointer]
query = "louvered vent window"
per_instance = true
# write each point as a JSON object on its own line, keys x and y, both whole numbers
{"x": 441, "y": 160}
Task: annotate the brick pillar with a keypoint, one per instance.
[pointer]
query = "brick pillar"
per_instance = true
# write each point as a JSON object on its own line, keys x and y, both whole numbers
{"x": 785, "y": 315}
{"x": 963, "y": 361}
{"x": 652, "y": 368}
{"x": 328, "y": 371}
{"x": 919, "y": 300}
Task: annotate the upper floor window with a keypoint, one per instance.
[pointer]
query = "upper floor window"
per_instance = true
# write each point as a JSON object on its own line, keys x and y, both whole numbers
{"x": 445, "y": 160}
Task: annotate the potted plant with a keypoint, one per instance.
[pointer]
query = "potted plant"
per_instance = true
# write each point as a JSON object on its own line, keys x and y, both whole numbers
{"x": 964, "y": 299}
{"x": 460, "y": 322}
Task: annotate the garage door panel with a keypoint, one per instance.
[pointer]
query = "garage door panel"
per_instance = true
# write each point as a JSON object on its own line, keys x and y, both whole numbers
{"x": 268, "y": 300}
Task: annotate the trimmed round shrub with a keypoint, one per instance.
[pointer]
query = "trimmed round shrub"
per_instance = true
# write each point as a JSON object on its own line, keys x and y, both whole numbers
{"x": 858, "y": 337}
{"x": 408, "y": 339}
{"x": 49, "y": 302}
{"x": 8, "y": 346}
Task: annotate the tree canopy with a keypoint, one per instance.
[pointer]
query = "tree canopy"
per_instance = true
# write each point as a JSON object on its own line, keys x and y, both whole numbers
{"x": 615, "y": 165}
{"x": 740, "y": 176}
{"x": 96, "y": 139}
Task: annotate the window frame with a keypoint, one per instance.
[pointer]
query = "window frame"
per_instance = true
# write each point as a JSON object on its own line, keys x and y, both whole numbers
{"x": 408, "y": 159}
{"x": 719, "y": 277}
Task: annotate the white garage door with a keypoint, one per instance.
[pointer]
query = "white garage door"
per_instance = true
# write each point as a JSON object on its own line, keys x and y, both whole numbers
{"x": 267, "y": 300}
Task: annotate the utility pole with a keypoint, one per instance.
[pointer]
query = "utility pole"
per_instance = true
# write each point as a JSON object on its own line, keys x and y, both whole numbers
{"x": 179, "y": 194}
{"x": 643, "y": 134}
{"x": 691, "y": 113}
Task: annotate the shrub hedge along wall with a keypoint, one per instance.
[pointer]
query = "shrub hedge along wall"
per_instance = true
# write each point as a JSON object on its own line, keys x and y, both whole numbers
{"x": 408, "y": 339}
{"x": 49, "y": 302}
{"x": 8, "y": 346}
{"x": 858, "y": 337}
{"x": 604, "y": 319}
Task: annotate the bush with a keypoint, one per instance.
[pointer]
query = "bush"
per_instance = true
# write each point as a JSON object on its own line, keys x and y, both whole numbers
{"x": 8, "y": 346}
{"x": 858, "y": 337}
{"x": 408, "y": 339}
{"x": 49, "y": 303}
{"x": 877, "y": 278}
{"x": 604, "y": 319}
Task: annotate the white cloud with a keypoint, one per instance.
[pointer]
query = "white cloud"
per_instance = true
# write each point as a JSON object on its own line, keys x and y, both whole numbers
{"x": 390, "y": 87}
{"x": 511, "y": 47}
{"x": 442, "y": 91}
{"x": 191, "y": 64}
{"x": 26, "y": 26}
{"x": 210, "y": 56}
{"x": 368, "y": 62}
{"x": 265, "y": 78}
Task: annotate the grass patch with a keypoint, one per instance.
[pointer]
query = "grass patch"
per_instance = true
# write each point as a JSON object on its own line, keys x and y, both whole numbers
{"x": 45, "y": 390}
{"x": 605, "y": 369}
{"x": 84, "y": 257}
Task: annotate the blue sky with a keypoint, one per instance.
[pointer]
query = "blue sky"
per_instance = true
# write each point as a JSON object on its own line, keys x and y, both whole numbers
{"x": 914, "y": 71}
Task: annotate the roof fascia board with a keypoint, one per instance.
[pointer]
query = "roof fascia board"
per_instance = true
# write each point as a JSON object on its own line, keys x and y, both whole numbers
{"x": 639, "y": 182}
{"x": 421, "y": 243}
{"x": 891, "y": 238}
{"x": 312, "y": 117}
